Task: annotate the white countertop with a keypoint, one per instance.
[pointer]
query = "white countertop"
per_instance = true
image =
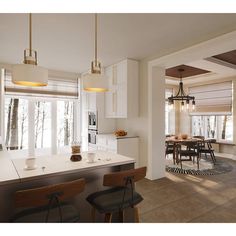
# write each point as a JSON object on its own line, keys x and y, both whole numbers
{"x": 58, "y": 164}
{"x": 8, "y": 172}
{"x": 115, "y": 137}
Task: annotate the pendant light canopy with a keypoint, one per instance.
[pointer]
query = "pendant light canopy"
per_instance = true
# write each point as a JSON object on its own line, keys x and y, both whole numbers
{"x": 95, "y": 81}
{"x": 29, "y": 74}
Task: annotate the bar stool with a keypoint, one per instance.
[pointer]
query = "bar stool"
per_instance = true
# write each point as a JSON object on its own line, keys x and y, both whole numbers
{"x": 120, "y": 197}
{"x": 48, "y": 204}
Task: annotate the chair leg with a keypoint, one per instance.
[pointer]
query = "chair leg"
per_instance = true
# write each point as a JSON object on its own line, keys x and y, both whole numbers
{"x": 213, "y": 154}
{"x": 121, "y": 216}
{"x": 108, "y": 217}
{"x": 212, "y": 157}
{"x": 93, "y": 214}
{"x": 198, "y": 158}
{"x": 136, "y": 214}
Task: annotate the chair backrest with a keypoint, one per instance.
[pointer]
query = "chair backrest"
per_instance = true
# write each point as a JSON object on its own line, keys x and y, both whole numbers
{"x": 120, "y": 178}
{"x": 198, "y": 136}
{"x": 209, "y": 142}
{"x": 41, "y": 196}
{"x": 189, "y": 145}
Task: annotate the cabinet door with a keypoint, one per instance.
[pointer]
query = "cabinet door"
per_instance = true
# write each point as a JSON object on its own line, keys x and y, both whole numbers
{"x": 121, "y": 90}
{"x": 92, "y": 105}
{"x": 109, "y": 96}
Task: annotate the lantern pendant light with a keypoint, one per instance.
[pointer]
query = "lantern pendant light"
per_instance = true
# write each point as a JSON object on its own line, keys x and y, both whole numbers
{"x": 28, "y": 73}
{"x": 95, "y": 81}
{"x": 182, "y": 96}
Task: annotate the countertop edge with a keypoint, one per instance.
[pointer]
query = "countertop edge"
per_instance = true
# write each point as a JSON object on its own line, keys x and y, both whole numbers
{"x": 75, "y": 171}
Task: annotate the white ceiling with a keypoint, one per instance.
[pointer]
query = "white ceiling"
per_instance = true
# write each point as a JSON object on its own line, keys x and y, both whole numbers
{"x": 65, "y": 41}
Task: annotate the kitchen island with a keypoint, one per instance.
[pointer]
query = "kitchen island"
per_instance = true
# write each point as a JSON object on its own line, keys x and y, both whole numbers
{"x": 57, "y": 169}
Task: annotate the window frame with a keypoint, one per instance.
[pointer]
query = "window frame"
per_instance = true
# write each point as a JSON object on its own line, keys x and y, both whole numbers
{"x": 218, "y": 126}
{"x": 54, "y": 149}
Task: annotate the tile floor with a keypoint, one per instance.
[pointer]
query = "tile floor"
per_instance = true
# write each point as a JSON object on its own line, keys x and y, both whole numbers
{"x": 185, "y": 198}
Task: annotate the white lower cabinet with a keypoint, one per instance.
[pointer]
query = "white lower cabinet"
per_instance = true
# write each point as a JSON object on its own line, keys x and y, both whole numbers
{"x": 127, "y": 146}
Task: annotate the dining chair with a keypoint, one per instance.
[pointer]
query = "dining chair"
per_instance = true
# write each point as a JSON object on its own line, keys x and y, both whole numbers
{"x": 121, "y": 196}
{"x": 48, "y": 203}
{"x": 208, "y": 149}
{"x": 169, "y": 149}
{"x": 188, "y": 149}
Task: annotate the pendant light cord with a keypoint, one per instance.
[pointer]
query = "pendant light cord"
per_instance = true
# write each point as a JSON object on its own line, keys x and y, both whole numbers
{"x": 96, "y": 38}
{"x": 30, "y": 34}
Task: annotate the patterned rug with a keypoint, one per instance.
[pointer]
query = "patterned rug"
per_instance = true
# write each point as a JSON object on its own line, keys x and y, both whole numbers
{"x": 206, "y": 167}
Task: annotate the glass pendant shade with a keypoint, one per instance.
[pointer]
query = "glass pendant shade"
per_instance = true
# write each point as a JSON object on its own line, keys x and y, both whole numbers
{"x": 29, "y": 75}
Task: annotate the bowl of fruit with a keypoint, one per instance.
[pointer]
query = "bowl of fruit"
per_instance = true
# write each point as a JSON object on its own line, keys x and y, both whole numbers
{"x": 120, "y": 133}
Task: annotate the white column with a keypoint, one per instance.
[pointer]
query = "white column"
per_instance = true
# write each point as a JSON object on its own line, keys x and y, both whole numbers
{"x": 77, "y": 116}
{"x": 234, "y": 111}
{"x": 156, "y": 122}
{"x": 54, "y": 127}
{"x": 31, "y": 132}
{"x": 2, "y": 105}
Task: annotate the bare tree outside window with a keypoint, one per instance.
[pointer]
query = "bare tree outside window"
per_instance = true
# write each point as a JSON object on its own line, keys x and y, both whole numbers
{"x": 214, "y": 126}
{"x": 65, "y": 113}
{"x": 42, "y": 124}
{"x": 16, "y": 123}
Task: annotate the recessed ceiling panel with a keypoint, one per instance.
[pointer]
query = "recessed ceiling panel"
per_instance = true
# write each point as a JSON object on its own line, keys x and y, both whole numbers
{"x": 189, "y": 71}
{"x": 229, "y": 57}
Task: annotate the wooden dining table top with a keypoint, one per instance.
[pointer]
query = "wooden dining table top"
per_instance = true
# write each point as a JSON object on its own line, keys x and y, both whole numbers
{"x": 179, "y": 140}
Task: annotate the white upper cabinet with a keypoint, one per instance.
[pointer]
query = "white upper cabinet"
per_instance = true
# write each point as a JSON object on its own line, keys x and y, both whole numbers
{"x": 121, "y": 101}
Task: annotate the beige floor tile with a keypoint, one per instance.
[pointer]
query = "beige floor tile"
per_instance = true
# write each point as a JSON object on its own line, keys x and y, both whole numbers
{"x": 182, "y": 210}
{"x": 216, "y": 215}
{"x": 187, "y": 198}
{"x": 159, "y": 197}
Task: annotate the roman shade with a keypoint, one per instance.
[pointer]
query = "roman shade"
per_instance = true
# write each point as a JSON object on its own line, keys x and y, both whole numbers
{"x": 213, "y": 98}
{"x": 64, "y": 87}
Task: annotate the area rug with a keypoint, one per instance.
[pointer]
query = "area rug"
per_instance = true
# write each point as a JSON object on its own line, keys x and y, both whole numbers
{"x": 206, "y": 167}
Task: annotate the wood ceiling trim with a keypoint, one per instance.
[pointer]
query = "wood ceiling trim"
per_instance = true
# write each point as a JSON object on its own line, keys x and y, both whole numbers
{"x": 189, "y": 71}
{"x": 229, "y": 57}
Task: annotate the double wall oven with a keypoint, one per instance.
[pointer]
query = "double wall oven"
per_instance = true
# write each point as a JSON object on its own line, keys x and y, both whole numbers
{"x": 92, "y": 129}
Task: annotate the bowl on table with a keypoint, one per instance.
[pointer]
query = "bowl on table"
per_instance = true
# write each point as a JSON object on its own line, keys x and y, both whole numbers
{"x": 184, "y": 136}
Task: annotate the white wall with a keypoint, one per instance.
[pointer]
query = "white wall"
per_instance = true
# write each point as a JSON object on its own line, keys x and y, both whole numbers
{"x": 139, "y": 125}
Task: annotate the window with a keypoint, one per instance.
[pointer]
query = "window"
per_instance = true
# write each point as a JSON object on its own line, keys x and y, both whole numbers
{"x": 16, "y": 123}
{"x": 219, "y": 127}
{"x": 65, "y": 122}
{"x": 42, "y": 124}
{"x": 41, "y": 120}
{"x": 226, "y": 128}
{"x": 169, "y": 115}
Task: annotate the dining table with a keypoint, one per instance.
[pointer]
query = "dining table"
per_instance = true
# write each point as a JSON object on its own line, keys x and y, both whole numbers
{"x": 178, "y": 140}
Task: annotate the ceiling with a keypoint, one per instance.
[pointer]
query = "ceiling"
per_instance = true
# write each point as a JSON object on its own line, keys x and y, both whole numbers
{"x": 183, "y": 71}
{"x": 216, "y": 67}
{"x": 65, "y": 41}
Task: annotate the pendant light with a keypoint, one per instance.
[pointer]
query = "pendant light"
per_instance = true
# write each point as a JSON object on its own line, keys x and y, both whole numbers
{"x": 95, "y": 81}
{"x": 182, "y": 96}
{"x": 28, "y": 73}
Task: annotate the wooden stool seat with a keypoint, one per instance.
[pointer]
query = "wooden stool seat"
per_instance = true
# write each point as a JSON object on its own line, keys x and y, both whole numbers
{"x": 120, "y": 197}
{"x": 111, "y": 200}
